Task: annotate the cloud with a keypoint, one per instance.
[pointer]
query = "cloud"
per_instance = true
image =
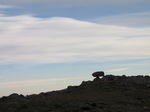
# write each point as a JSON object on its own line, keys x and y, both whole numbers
{"x": 129, "y": 20}
{"x": 76, "y": 2}
{"x": 38, "y": 82}
{"x": 27, "y": 83}
{"x": 28, "y": 39}
{"x": 6, "y": 6}
{"x": 117, "y": 70}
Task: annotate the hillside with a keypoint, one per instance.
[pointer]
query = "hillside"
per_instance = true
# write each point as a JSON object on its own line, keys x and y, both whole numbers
{"x": 107, "y": 94}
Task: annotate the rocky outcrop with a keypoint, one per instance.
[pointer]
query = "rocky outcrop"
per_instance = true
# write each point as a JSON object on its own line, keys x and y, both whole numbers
{"x": 97, "y": 75}
{"x": 143, "y": 80}
{"x": 107, "y": 94}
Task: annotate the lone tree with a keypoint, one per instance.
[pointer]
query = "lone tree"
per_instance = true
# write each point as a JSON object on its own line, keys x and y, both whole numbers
{"x": 98, "y": 74}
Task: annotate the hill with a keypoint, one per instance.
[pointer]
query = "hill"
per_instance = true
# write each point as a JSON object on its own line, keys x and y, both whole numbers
{"x": 107, "y": 94}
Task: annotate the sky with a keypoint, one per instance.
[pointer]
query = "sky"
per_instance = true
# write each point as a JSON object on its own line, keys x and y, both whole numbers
{"x": 51, "y": 44}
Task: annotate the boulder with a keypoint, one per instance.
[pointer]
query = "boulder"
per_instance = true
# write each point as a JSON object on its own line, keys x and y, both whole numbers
{"x": 98, "y": 74}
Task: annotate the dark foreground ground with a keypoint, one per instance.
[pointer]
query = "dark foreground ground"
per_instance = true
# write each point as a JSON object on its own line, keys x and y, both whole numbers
{"x": 109, "y": 94}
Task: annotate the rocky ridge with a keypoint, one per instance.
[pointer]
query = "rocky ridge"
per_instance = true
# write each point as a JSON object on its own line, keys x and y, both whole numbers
{"x": 107, "y": 94}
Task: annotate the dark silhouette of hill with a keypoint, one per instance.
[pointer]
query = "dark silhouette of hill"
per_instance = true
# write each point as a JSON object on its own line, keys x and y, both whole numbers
{"x": 107, "y": 94}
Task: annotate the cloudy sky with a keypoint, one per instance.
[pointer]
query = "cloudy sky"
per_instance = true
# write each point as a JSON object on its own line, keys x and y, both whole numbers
{"x": 50, "y": 44}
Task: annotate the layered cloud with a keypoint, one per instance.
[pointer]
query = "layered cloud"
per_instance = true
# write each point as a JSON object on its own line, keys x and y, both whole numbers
{"x": 5, "y": 6}
{"x": 117, "y": 70}
{"x": 27, "y": 83}
{"x": 129, "y": 20}
{"x": 28, "y": 39}
{"x": 77, "y": 2}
